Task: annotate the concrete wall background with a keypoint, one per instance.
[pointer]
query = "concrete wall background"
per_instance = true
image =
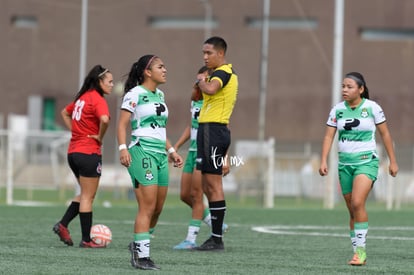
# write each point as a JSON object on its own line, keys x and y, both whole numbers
{"x": 45, "y": 60}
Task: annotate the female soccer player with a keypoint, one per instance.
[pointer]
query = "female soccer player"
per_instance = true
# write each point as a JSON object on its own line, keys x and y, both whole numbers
{"x": 356, "y": 119}
{"x": 88, "y": 118}
{"x": 146, "y": 157}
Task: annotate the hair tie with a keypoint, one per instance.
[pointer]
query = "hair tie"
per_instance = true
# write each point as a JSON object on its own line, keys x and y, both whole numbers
{"x": 149, "y": 62}
{"x": 104, "y": 72}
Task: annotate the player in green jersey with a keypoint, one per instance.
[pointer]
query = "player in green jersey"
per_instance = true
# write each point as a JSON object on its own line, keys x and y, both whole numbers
{"x": 356, "y": 119}
{"x": 146, "y": 157}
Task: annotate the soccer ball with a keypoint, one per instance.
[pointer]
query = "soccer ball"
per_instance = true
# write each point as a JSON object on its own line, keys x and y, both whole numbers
{"x": 101, "y": 234}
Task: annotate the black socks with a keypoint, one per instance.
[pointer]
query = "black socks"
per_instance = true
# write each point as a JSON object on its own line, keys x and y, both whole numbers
{"x": 217, "y": 210}
{"x": 71, "y": 212}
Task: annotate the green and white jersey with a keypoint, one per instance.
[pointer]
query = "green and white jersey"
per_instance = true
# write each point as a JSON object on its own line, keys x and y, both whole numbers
{"x": 149, "y": 115}
{"x": 195, "y": 113}
{"x": 356, "y": 130}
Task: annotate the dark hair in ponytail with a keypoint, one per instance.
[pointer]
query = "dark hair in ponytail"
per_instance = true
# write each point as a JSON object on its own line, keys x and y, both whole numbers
{"x": 359, "y": 79}
{"x": 91, "y": 81}
{"x": 136, "y": 74}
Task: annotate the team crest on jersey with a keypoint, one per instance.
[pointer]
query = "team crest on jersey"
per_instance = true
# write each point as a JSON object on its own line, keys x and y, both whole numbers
{"x": 148, "y": 175}
{"x": 364, "y": 113}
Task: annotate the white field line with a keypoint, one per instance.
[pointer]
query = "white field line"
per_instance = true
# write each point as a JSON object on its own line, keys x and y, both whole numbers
{"x": 317, "y": 231}
{"x": 320, "y": 231}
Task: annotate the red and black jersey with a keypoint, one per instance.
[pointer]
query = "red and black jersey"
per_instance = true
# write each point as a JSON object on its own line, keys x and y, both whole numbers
{"x": 86, "y": 113}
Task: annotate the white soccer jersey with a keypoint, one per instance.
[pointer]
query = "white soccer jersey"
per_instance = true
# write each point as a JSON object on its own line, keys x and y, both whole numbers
{"x": 148, "y": 119}
{"x": 356, "y": 130}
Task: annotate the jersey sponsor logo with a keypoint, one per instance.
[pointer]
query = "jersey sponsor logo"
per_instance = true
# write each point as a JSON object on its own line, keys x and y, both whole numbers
{"x": 351, "y": 123}
{"x": 154, "y": 125}
{"x": 159, "y": 108}
{"x": 344, "y": 139}
{"x": 132, "y": 104}
{"x": 159, "y": 121}
{"x": 196, "y": 112}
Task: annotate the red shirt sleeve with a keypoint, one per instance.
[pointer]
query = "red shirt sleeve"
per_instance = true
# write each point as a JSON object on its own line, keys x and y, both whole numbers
{"x": 69, "y": 108}
{"x": 101, "y": 107}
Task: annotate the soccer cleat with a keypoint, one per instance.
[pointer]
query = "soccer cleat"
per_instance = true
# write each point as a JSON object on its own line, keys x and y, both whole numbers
{"x": 133, "y": 248}
{"x": 140, "y": 263}
{"x": 210, "y": 245}
{"x": 91, "y": 244}
{"x": 225, "y": 228}
{"x": 185, "y": 245}
{"x": 146, "y": 264}
{"x": 360, "y": 257}
{"x": 63, "y": 234}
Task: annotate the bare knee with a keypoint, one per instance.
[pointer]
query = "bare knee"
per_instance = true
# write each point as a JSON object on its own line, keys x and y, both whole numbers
{"x": 87, "y": 197}
{"x": 185, "y": 197}
{"x": 357, "y": 205}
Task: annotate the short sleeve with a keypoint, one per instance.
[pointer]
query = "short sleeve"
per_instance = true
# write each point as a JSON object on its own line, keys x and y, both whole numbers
{"x": 69, "y": 108}
{"x": 130, "y": 101}
{"x": 379, "y": 116}
{"x": 332, "y": 118}
{"x": 101, "y": 107}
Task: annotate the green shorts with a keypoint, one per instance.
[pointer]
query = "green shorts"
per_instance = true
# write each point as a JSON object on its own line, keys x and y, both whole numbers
{"x": 347, "y": 173}
{"x": 148, "y": 168}
{"x": 190, "y": 162}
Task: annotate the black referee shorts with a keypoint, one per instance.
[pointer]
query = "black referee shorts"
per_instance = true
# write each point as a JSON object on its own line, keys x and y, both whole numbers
{"x": 213, "y": 141}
